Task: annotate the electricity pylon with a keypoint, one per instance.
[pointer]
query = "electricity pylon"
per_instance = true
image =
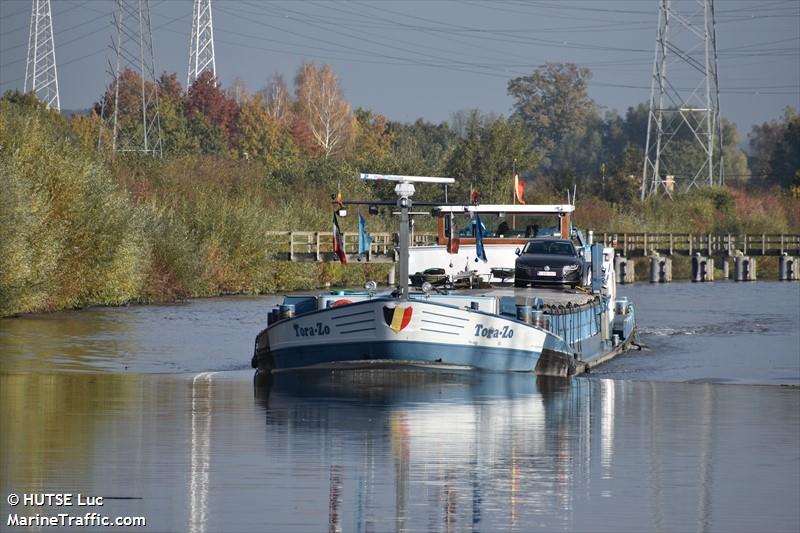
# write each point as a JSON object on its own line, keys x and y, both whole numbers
{"x": 133, "y": 117}
{"x": 201, "y": 44}
{"x": 41, "y": 76}
{"x": 683, "y": 148}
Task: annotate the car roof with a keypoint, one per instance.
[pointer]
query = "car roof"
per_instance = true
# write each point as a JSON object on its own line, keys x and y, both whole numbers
{"x": 549, "y": 239}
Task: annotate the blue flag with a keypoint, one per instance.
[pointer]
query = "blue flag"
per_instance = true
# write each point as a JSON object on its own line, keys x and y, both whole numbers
{"x": 479, "y": 250}
{"x": 364, "y": 239}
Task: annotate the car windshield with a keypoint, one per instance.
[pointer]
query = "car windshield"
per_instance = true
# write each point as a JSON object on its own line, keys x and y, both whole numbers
{"x": 548, "y": 247}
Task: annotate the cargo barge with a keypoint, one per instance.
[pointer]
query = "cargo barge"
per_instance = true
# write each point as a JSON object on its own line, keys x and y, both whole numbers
{"x": 475, "y": 317}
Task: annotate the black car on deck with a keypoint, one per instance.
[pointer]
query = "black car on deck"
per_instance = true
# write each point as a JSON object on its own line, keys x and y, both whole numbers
{"x": 549, "y": 262}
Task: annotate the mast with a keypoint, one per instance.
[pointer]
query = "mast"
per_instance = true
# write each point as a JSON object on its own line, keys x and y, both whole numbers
{"x": 404, "y": 191}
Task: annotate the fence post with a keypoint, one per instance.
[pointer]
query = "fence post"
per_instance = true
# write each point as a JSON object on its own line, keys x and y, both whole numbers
{"x": 691, "y": 238}
{"x": 671, "y": 245}
{"x": 763, "y": 244}
{"x": 291, "y": 246}
{"x": 625, "y": 244}
{"x": 318, "y": 256}
{"x": 745, "y": 244}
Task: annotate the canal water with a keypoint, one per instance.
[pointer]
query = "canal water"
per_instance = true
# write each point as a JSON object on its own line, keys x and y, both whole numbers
{"x": 156, "y": 410}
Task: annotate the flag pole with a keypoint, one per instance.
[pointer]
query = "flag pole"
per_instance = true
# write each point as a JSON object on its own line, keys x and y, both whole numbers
{"x": 513, "y": 191}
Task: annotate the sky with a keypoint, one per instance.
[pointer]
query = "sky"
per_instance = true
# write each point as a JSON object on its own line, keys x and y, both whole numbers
{"x": 430, "y": 58}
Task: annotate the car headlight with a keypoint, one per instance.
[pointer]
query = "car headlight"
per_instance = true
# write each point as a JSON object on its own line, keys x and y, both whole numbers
{"x": 569, "y": 268}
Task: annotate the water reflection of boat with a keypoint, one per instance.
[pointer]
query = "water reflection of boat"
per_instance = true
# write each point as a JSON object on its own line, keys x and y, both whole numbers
{"x": 467, "y": 436}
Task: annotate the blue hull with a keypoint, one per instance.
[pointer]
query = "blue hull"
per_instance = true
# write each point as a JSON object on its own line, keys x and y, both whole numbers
{"x": 405, "y": 352}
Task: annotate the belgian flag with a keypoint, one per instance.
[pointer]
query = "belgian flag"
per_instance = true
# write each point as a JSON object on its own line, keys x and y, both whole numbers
{"x": 397, "y": 318}
{"x": 338, "y": 242}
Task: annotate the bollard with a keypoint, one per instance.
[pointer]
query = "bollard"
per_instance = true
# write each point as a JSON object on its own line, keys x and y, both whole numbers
{"x": 539, "y": 319}
{"x": 702, "y": 268}
{"x": 524, "y": 313}
{"x": 286, "y": 311}
{"x": 660, "y": 269}
{"x": 787, "y": 268}
{"x": 625, "y": 269}
{"x": 744, "y": 268}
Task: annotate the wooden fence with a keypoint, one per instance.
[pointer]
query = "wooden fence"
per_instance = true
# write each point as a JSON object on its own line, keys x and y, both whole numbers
{"x": 640, "y": 244}
{"x": 318, "y": 245}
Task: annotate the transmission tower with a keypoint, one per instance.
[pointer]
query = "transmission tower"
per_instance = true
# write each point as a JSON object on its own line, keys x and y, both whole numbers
{"x": 132, "y": 117}
{"x": 684, "y": 139}
{"x": 40, "y": 68}
{"x": 201, "y": 44}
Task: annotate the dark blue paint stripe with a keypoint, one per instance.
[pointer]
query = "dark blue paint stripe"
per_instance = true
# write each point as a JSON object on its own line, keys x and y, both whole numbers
{"x": 357, "y": 330}
{"x": 440, "y": 331}
{"x": 352, "y": 314}
{"x": 442, "y": 324}
{"x": 445, "y": 316}
{"x": 356, "y": 322}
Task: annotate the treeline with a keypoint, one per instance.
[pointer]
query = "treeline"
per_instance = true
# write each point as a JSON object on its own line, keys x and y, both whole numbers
{"x": 81, "y": 226}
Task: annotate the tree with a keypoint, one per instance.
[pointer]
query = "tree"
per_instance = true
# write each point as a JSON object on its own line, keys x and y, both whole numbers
{"x": 785, "y": 161}
{"x": 207, "y": 99}
{"x": 487, "y": 157}
{"x": 422, "y": 147}
{"x": 175, "y": 131}
{"x": 372, "y": 140}
{"x": 764, "y": 141}
{"x": 263, "y": 137}
{"x": 734, "y": 159}
{"x": 553, "y": 103}
{"x": 322, "y": 108}
{"x": 278, "y": 100}
{"x": 129, "y": 102}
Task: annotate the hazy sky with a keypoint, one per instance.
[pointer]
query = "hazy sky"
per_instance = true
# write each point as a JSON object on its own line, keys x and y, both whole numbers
{"x": 428, "y": 58}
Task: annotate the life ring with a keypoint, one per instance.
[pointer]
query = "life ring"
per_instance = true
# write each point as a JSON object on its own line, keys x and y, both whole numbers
{"x": 341, "y": 301}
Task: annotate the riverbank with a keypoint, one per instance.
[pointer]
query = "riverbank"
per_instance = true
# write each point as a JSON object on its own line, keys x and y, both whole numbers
{"x": 80, "y": 229}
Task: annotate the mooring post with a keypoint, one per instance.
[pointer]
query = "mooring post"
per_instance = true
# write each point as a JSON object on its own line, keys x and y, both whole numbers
{"x": 744, "y": 268}
{"x": 625, "y": 270}
{"x": 702, "y": 268}
{"x": 787, "y": 268}
{"x": 660, "y": 268}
